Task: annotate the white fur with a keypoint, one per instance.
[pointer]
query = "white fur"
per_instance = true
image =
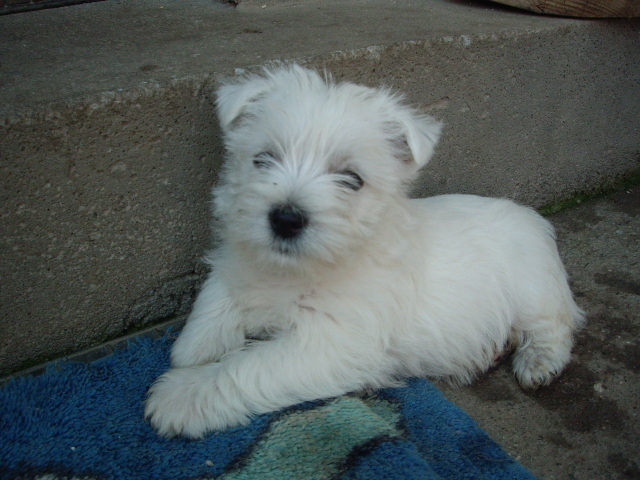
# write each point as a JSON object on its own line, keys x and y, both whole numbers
{"x": 377, "y": 287}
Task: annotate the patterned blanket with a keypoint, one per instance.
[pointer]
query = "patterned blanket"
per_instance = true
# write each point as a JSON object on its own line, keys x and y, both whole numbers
{"x": 85, "y": 420}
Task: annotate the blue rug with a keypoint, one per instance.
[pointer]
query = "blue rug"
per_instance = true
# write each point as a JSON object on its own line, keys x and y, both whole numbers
{"x": 82, "y": 420}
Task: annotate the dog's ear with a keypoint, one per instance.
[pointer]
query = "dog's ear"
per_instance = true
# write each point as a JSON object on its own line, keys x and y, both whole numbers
{"x": 418, "y": 137}
{"x": 234, "y": 98}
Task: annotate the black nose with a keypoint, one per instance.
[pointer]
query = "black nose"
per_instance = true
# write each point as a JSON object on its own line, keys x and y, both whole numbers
{"x": 287, "y": 222}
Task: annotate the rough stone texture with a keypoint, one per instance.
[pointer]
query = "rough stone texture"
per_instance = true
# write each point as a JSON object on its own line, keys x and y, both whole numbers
{"x": 109, "y": 143}
{"x": 523, "y": 115}
{"x": 104, "y": 219}
{"x": 584, "y": 425}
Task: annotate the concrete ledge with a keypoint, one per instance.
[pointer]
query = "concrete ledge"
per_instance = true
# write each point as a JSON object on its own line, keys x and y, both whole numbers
{"x": 97, "y": 352}
{"x": 109, "y": 143}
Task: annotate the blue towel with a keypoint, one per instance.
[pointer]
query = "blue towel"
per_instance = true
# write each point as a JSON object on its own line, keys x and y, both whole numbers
{"x": 86, "y": 420}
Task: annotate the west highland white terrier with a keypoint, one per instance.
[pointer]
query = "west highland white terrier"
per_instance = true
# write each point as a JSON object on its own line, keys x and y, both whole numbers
{"x": 329, "y": 279}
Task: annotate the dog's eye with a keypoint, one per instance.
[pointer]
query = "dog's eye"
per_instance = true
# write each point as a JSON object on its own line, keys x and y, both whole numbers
{"x": 350, "y": 179}
{"x": 263, "y": 160}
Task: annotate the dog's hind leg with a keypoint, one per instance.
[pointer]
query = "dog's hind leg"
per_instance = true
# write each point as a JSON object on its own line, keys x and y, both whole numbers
{"x": 545, "y": 347}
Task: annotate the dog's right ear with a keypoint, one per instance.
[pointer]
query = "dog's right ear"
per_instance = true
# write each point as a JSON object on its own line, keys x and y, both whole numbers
{"x": 233, "y": 99}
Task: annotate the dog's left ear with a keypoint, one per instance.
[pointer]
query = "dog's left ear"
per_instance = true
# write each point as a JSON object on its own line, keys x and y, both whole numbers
{"x": 418, "y": 137}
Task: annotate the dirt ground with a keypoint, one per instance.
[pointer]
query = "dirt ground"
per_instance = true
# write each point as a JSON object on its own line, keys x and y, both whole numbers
{"x": 585, "y": 425}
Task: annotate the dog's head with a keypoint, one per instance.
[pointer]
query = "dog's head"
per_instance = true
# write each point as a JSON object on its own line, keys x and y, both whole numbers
{"x": 314, "y": 167}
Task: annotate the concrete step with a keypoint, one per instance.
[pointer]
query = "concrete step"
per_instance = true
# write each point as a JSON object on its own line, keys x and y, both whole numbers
{"x": 109, "y": 142}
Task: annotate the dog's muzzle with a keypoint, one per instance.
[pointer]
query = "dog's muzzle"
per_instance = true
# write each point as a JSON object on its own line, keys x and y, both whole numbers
{"x": 287, "y": 222}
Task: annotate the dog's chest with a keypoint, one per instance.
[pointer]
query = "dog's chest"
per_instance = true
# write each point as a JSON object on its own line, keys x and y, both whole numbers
{"x": 274, "y": 306}
{"x": 282, "y": 307}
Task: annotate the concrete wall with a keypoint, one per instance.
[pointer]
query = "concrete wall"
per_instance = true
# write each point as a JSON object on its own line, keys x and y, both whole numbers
{"x": 109, "y": 143}
{"x": 532, "y": 116}
{"x": 104, "y": 217}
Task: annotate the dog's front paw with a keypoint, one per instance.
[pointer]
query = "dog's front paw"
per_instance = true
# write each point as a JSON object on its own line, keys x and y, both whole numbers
{"x": 192, "y": 353}
{"x": 197, "y": 348}
{"x": 188, "y": 402}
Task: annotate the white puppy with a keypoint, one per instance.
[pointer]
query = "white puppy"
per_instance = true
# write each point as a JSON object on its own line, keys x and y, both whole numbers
{"x": 329, "y": 279}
